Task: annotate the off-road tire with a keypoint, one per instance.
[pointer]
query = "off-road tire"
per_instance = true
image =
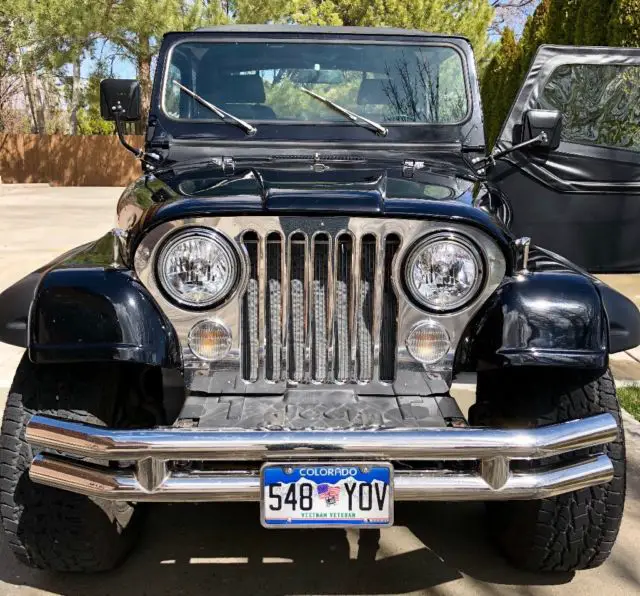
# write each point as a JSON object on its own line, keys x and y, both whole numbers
{"x": 46, "y": 527}
{"x": 572, "y": 531}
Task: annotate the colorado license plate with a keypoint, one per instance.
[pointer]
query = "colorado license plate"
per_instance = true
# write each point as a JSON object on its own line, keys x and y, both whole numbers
{"x": 327, "y": 495}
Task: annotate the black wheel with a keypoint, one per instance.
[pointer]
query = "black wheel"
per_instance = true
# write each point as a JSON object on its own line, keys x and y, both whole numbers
{"x": 46, "y": 527}
{"x": 572, "y": 531}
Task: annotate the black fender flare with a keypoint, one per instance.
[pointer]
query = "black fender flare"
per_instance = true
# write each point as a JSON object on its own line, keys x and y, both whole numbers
{"x": 624, "y": 319}
{"x": 98, "y": 315}
{"x": 79, "y": 309}
{"x": 553, "y": 319}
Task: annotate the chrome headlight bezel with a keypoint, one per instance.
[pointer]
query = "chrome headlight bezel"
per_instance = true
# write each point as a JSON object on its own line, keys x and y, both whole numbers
{"x": 416, "y": 251}
{"x": 229, "y": 251}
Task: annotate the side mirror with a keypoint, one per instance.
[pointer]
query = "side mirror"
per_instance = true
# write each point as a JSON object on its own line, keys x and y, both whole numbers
{"x": 543, "y": 124}
{"x": 120, "y": 97}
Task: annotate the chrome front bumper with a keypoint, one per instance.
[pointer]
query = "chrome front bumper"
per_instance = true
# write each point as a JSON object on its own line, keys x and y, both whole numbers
{"x": 145, "y": 470}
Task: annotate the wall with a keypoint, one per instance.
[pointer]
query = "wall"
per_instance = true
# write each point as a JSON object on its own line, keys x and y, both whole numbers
{"x": 68, "y": 160}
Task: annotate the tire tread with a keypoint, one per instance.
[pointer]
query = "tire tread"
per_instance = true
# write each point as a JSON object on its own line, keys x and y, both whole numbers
{"x": 576, "y": 530}
{"x": 46, "y": 527}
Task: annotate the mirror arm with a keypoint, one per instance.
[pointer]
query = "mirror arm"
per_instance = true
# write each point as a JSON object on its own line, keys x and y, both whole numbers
{"x": 119, "y": 131}
{"x": 542, "y": 138}
{"x": 118, "y": 110}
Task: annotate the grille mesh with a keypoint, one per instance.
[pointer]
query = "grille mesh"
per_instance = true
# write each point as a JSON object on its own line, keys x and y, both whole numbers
{"x": 320, "y": 308}
{"x": 297, "y": 322}
{"x": 273, "y": 307}
{"x": 320, "y": 288}
{"x": 342, "y": 346}
{"x": 365, "y": 308}
{"x": 250, "y": 312}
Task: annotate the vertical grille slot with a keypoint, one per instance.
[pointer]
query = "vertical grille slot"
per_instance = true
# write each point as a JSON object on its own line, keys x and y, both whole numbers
{"x": 297, "y": 309}
{"x": 343, "y": 268}
{"x": 365, "y": 310}
{"x": 321, "y": 249}
{"x": 389, "y": 323}
{"x": 250, "y": 310}
{"x": 273, "y": 308}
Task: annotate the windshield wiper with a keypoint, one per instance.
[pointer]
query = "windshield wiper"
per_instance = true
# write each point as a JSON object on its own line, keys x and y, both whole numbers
{"x": 355, "y": 118}
{"x": 224, "y": 116}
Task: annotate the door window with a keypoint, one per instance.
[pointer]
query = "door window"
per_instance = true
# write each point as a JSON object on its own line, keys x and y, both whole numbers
{"x": 600, "y": 104}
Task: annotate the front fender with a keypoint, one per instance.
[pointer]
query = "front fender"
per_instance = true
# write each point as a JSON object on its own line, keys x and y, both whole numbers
{"x": 98, "y": 315}
{"x": 83, "y": 308}
{"x": 541, "y": 319}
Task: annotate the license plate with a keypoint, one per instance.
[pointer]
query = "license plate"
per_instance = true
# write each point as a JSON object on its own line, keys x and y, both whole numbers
{"x": 332, "y": 495}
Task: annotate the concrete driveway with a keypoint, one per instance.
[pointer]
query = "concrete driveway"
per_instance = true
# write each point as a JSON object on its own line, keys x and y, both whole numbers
{"x": 221, "y": 549}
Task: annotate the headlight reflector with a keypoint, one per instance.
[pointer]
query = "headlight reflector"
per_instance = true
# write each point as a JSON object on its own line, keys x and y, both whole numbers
{"x": 428, "y": 342}
{"x": 443, "y": 272}
{"x": 198, "y": 268}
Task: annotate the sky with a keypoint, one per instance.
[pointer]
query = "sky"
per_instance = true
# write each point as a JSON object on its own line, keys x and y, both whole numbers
{"x": 122, "y": 69}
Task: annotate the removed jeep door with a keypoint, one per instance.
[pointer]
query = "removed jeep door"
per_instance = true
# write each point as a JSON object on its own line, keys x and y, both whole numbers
{"x": 581, "y": 200}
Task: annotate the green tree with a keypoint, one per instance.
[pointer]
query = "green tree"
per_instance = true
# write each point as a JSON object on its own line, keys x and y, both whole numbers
{"x": 537, "y": 31}
{"x": 89, "y": 120}
{"x": 65, "y": 31}
{"x": 500, "y": 84}
{"x": 624, "y": 26}
{"x": 503, "y": 75}
{"x": 18, "y": 37}
{"x": 137, "y": 27}
{"x": 591, "y": 23}
{"x": 465, "y": 17}
{"x": 561, "y": 20}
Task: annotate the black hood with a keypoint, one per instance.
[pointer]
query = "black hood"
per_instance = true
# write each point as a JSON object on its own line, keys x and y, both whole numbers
{"x": 346, "y": 180}
{"x": 440, "y": 189}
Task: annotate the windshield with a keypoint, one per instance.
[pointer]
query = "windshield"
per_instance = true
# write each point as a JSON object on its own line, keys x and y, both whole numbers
{"x": 265, "y": 81}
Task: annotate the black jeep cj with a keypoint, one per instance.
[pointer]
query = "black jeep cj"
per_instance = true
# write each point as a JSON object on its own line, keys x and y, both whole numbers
{"x": 318, "y": 246}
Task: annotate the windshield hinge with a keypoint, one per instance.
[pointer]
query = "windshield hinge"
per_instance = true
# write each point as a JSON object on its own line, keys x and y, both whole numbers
{"x": 409, "y": 166}
{"x": 226, "y": 164}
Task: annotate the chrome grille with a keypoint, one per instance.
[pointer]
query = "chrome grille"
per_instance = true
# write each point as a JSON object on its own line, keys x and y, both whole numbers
{"x": 328, "y": 303}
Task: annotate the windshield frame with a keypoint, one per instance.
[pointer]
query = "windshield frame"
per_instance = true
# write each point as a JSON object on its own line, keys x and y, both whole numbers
{"x": 200, "y": 38}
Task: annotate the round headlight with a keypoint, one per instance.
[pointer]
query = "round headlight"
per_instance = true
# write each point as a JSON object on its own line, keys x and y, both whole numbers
{"x": 444, "y": 272}
{"x": 198, "y": 268}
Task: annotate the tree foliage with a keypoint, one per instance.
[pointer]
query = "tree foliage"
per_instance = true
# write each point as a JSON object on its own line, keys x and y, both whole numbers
{"x": 591, "y": 21}
{"x": 43, "y": 41}
{"x": 466, "y": 17}
{"x": 137, "y": 27}
{"x": 89, "y": 120}
{"x": 501, "y": 82}
{"x": 50, "y": 34}
{"x": 52, "y": 37}
{"x": 624, "y": 23}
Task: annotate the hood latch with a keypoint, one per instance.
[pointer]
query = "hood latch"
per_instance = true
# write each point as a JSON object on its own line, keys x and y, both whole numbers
{"x": 409, "y": 166}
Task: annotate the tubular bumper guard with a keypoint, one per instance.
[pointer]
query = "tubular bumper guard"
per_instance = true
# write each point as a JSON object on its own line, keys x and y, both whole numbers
{"x": 148, "y": 476}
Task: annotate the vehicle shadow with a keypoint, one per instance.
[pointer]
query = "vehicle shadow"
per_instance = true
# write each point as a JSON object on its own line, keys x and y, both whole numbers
{"x": 221, "y": 549}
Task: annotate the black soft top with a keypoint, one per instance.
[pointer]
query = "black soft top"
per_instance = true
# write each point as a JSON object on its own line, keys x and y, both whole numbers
{"x": 332, "y": 31}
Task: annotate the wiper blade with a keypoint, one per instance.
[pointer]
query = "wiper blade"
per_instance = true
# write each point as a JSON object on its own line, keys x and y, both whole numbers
{"x": 355, "y": 118}
{"x": 224, "y": 116}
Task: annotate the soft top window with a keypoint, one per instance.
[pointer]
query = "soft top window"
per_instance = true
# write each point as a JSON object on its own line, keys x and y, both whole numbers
{"x": 599, "y": 103}
{"x": 264, "y": 81}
